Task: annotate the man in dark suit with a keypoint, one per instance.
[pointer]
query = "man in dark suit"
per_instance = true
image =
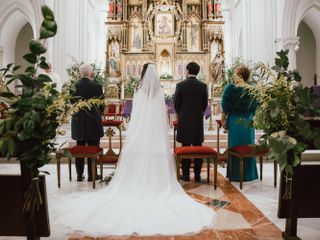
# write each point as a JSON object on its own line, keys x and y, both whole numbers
{"x": 86, "y": 125}
{"x": 190, "y": 101}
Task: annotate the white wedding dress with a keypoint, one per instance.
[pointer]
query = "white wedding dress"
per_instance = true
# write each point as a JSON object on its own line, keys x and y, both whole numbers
{"x": 144, "y": 196}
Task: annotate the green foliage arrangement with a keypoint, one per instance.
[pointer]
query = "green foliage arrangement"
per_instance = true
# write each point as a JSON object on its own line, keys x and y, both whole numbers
{"x": 166, "y": 76}
{"x": 284, "y": 101}
{"x": 130, "y": 86}
{"x": 29, "y": 128}
{"x": 28, "y": 132}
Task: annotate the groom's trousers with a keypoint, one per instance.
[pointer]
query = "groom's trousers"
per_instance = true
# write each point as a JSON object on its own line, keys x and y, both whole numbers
{"x": 187, "y": 162}
{"x": 80, "y": 161}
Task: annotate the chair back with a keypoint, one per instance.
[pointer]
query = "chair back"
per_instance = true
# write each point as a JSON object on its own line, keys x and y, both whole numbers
{"x": 127, "y": 109}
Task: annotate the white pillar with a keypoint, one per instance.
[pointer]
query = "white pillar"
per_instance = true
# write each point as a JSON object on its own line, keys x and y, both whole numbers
{"x": 1, "y": 56}
{"x": 210, "y": 91}
{"x": 292, "y": 43}
{"x": 122, "y": 91}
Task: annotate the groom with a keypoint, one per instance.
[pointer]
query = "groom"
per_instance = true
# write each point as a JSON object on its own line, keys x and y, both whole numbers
{"x": 190, "y": 101}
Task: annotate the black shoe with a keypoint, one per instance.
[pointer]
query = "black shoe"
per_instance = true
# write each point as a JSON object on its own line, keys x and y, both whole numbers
{"x": 98, "y": 177}
{"x": 197, "y": 179}
{"x": 80, "y": 178}
{"x": 185, "y": 178}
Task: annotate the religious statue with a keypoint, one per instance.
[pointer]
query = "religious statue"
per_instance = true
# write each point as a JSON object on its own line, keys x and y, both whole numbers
{"x": 163, "y": 27}
{"x": 218, "y": 6}
{"x": 114, "y": 64}
{"x": 119, "y": 7}
{"x": 210, "y": 7}
{"x": 217, "y": 67}
{"x": 149, "y": 11}
{"x": 111, "y": 7}
{"x": 136, "y": 41}
{"x": 194, "y": 33}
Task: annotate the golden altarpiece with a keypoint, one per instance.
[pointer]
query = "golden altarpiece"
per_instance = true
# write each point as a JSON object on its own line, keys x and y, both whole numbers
{"x": 169, "y": 33}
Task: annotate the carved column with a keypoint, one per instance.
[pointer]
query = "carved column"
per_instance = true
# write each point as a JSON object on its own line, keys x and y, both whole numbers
{"x": 204, "y": 10}
{"x": 124, "y": 37}
{"x": 184, "y": 35}
{"x": 144, "y": 9}
{"x": 184, "y": 7}
{"x": 145, "y": 36}
{"x": 125, "y": 10}
{"x": 204, "y": 36}
{"x": 292, "y": 43}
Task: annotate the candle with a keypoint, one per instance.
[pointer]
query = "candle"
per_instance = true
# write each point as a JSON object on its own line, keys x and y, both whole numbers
{"x": 209, "y": 89}
{"x": 122, "y": 91}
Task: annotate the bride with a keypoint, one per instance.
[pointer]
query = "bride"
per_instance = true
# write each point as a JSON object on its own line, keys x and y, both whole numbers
{"x": 144, "y": 196}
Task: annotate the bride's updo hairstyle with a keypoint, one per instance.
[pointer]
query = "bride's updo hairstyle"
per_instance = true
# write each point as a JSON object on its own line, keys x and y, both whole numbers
{"x": 144, "y": 69}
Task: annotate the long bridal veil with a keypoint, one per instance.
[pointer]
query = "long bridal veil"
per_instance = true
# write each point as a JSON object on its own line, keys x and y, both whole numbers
{"x": 144, "y": 196}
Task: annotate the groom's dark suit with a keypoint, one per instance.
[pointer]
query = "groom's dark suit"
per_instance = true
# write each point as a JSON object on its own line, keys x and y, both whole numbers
{"x": 190, "y": 101}
{"x": 86, "y": 125}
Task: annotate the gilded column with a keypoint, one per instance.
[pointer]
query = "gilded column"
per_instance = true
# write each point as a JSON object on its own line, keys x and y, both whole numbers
{"x": 124, "y": 37}
{"x": 145, "y": 36}
{"x": 184, "y": 36}
{"x": 125, "y": 10}
{"x": 204, "y": 10}
{"x": 204, "y": 36}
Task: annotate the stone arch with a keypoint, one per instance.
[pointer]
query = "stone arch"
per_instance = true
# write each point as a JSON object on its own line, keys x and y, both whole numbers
{"x": 13, "y": 17}
{"x": 294, "y": 12}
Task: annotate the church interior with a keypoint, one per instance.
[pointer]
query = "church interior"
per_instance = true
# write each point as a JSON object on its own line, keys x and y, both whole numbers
{"x": 117, "y": 37}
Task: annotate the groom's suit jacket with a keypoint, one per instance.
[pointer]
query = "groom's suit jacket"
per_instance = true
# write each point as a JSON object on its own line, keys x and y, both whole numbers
{"x": 86, "y": 124}
{"x": 190, "y": 101}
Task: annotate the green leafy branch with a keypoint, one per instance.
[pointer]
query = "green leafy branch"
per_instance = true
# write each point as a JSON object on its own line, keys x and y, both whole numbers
{"x": 283, "y": 102}
{"x": 27, "y": 132}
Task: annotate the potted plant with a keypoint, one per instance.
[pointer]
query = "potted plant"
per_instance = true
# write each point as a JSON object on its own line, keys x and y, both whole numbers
{"x": 166, "y": 76}
{"x": 130, "y": 87}
{"x": 33, "y": 117}
{"x": 283, "y": 103}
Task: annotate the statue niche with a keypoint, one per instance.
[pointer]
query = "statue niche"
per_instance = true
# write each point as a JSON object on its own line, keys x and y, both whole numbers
{"x": 136, "y": 35}
{"x": 193, "y": 33}
{"x": 114, "y": 59}
{"x": 165, "y": 63}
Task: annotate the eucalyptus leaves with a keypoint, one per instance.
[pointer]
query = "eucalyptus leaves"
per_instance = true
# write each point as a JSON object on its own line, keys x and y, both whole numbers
{"x": 283, "y": 103}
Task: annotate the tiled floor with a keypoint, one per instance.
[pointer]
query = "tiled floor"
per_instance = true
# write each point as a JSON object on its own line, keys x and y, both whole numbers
{"x": 247, "y": 214}
{"x": 238, "y": 218}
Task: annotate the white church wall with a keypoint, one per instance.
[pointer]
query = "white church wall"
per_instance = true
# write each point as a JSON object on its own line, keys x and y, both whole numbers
{"x": 312, "y": 19}
{"x": 255, "y": 30}
{"x": 79, "y": 34}
{"x": 306, "y": 55}
{"x": 22, "y": 45}
{"x": 80, "y": 22}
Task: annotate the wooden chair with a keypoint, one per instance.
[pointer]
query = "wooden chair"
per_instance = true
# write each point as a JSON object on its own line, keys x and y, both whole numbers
{"x": 175, "y": 128}
{"x": 222, "y": 157}
{"x": 194, "y": 152}
{"x": 110, "y": 157}
{"x": 80, "y": 152}
{"x": 247, "y": 151}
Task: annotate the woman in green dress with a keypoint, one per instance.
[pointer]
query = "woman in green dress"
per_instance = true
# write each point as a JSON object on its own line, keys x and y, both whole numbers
{"x": 238, "y": 111}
